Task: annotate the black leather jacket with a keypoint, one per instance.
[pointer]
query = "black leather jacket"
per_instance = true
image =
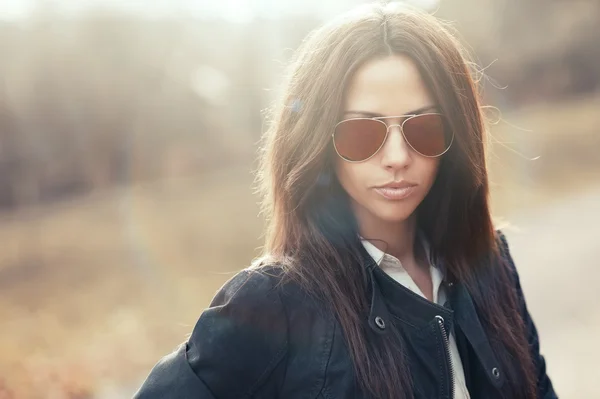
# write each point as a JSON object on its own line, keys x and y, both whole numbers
{"x": 260, "y": 340}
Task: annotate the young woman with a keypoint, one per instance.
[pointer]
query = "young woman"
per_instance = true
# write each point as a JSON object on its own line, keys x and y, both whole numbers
{"x": 383, "y": 275}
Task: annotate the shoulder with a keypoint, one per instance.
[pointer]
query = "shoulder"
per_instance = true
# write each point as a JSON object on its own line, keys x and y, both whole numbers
{"x": 241, "y": 335}
{"x": 502, "y": 243}
{"x": 250, "y": 287}
{"x": 496, "y": 271}
{"x": 506, "y": 261}
{"x": 506, "y": 279}
{"x": 260, "y": 292}
{"x": 254, "y": 323}
{"x": 544, "y": 385}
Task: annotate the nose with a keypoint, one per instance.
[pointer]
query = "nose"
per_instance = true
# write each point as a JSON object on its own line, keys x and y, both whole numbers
{"x": 396, "y": 153}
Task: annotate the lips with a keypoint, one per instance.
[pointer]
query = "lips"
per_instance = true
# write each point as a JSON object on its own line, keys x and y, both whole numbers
{"x": 396, "y": 190}
{"x": 397, "y": 185}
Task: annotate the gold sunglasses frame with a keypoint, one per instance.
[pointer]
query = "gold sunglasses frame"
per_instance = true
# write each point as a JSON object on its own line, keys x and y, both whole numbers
{"x": 401, "y": 126}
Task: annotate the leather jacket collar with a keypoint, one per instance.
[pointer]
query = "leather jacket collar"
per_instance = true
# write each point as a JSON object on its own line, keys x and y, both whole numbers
{"x": 389, "y": 298}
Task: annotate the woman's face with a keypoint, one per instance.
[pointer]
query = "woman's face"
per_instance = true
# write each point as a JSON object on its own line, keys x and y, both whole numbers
{"x": 390, "y": 86}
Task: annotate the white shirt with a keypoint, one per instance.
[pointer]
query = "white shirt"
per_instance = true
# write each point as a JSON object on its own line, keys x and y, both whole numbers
{"x": 392, "y": 266}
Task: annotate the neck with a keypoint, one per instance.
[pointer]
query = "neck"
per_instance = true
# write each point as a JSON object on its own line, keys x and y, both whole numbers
{"x": 394, "y": 238}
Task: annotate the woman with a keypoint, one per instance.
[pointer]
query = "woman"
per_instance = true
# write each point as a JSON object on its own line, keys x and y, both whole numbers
{"x": 383, "y": 276}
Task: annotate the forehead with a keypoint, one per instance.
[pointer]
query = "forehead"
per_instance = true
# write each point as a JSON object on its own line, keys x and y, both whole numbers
{"x": 387, "y": 86}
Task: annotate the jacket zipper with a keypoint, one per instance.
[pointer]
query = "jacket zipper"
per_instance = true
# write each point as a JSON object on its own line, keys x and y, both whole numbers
{"x": 440, "y": 321}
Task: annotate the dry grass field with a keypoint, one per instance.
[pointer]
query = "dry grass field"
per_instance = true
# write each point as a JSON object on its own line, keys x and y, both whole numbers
{"x": 94, "y": 290}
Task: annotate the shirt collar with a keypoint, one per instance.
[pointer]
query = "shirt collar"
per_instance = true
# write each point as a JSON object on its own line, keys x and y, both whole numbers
{"x": 378, "y": 255}
{"x": 401, "y": 275}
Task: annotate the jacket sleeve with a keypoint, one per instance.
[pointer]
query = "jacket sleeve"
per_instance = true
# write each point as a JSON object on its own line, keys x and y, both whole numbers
{"x": 544, "y": 385}
{"x": 235, "y": 346}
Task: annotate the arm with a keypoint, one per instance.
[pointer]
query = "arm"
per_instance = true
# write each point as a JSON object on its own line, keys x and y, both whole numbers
{"x": 235, "y": 346}
{"x": 544, "y": 385}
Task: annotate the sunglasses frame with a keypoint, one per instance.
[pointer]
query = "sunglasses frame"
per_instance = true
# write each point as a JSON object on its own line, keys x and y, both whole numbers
{"x": 381, "y": 119}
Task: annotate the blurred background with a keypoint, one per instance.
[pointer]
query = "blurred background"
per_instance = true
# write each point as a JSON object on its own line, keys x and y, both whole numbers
{"x": 128, "y": 136}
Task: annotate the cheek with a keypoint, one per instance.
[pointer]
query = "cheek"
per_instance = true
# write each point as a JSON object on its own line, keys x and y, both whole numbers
{"x": 349, "y": 175}
{"x": 430, "y": 167}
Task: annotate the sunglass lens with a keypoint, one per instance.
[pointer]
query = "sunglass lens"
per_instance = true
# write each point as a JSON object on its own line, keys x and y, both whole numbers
{"x": 358, "y": 139}
{"x": 426, "y": 134}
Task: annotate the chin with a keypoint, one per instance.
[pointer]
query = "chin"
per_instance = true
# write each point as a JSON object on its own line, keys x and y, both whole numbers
{"x": 393, "y": 214}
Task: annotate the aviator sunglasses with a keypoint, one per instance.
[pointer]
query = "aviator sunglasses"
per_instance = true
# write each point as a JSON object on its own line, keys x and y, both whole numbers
{"x": 359, "y": 139}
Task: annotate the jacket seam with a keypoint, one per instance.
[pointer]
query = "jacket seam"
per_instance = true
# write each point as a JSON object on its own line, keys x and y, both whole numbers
{"x": 268, "y": 370}
{"x": 287, "y": 335}
{"x": 275, "y": 359}
{"x": 408, "y": 323}
{"x": 323, "y": 389}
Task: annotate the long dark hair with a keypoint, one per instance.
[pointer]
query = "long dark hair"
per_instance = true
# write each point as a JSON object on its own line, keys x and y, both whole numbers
{"x": 311, "y": 229}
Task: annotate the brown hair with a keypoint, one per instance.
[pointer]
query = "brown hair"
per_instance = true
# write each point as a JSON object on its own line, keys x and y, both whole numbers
{"x": 311, "y": 229}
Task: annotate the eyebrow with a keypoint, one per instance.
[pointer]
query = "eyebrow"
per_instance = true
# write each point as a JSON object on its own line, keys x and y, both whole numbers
{"x": 368, "y": 114}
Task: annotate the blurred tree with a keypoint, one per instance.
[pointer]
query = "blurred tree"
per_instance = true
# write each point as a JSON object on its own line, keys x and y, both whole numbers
{"x": 94, "y": 100}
